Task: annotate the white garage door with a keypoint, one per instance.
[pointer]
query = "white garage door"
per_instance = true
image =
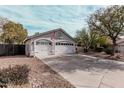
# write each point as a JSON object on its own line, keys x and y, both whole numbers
{"x": 64, "y": 47}
{"x": 43, "y": 48}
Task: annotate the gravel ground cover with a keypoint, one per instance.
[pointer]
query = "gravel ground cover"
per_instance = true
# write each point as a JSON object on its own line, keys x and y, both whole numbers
{"x": 40, "y": 76}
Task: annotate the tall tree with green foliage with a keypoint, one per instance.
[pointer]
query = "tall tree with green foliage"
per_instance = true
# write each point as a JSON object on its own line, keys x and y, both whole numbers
{"x": 86, "y": 39}
{"x": 13, "y": 33}
{"x": 109, "y": 22}
{"x": 90, "y": 40}
{"x": 83, "y": 39}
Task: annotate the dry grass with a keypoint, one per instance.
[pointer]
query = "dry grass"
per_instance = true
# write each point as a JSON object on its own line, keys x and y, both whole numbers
{"x": 41, "y": 75}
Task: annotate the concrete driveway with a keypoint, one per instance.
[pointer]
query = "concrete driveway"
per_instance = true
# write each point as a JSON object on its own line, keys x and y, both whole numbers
{"x": 84, "y": 71}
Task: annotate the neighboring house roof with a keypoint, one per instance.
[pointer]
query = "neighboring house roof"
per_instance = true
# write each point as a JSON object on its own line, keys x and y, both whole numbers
{"x": 44, "y": 33}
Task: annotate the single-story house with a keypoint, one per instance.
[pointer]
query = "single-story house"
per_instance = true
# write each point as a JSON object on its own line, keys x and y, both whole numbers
{"x": 120, "y": 46}
{"x": 53, "y": 42}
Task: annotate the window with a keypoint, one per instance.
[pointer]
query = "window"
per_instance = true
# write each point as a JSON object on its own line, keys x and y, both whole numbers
{"x": 61, "y": 43}
{"x": 37, "y": 43}
{"x": 43, "y": 43}
{"x": 67, "y": 44}
{"x": 71, "y": 44}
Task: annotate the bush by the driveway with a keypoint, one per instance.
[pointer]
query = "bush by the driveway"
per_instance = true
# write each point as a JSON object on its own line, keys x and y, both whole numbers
{"x": 16, "y": 75}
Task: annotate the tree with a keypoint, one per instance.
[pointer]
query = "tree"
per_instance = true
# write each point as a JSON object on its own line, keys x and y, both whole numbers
{"x": 2, "y": 22}
{"x": 13, "y": 33}
{"x": 86, "y": 39}
{"x": 104, "y": 40}
{"x": 94, "y": 39}
{"x": 82, "y": 38}
{"x": 90, "y": 40}
{"x": 108, "y": 22}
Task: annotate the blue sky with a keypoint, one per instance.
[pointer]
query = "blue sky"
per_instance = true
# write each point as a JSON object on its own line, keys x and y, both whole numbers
{"x": 43, "y": 18}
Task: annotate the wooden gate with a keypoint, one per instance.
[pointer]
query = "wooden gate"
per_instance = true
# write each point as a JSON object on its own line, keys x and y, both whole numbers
{"x": 11, "y": 49}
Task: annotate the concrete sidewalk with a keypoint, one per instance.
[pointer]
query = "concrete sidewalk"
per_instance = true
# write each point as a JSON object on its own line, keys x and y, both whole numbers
{"x": 84, "y": 71}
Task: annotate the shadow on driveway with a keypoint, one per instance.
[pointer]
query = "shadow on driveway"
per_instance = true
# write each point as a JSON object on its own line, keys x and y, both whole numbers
{"x": 76, "y": 62}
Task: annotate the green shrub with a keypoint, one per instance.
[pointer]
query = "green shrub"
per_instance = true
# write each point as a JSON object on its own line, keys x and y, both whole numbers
{"x": 16, "y": 75}
{"x": 106, "y": 46}
{"x": 99, "y": 49}
{"x": 108, "y": 50}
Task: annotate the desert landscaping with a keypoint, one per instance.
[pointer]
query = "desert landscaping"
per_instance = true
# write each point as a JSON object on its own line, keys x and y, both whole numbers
{"x": 40, "y": 75}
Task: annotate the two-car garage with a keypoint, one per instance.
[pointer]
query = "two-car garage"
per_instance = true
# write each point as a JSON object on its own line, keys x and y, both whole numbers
{"x": 45, "y": 47}
{"x": 50, "y": 43}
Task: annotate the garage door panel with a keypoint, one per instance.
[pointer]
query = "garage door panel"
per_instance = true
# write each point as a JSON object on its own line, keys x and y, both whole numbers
{"x": 61, "y": 49}
{"x": 64, "y": 49}
{"x": 43, "y": 48}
